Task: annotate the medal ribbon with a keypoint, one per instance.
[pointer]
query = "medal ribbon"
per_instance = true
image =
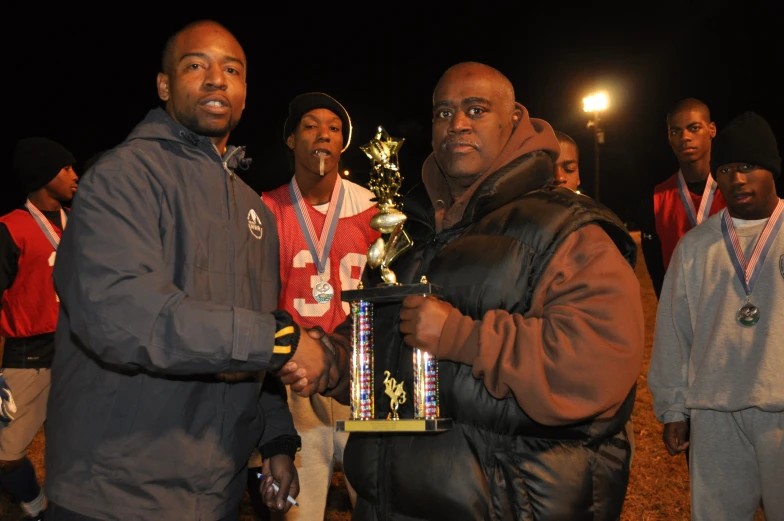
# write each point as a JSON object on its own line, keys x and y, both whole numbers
{"x": 696, "y": 217}
{"x": 748, "y": 272}
{"x": 44, "y": 223}
{"x": 318, "y": 245}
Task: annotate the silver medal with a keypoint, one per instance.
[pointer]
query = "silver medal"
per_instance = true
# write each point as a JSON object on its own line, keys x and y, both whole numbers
{"x": 323, "y": 292}
{"x": 748, "y": 315}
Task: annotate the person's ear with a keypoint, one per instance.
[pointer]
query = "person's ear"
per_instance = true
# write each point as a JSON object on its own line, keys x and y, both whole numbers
{"x": 517, "y": 115}
{"x": 163, "y": 86}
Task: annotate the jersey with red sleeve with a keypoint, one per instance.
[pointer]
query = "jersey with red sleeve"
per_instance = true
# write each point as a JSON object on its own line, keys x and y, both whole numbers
{"x": 345, "y": 262}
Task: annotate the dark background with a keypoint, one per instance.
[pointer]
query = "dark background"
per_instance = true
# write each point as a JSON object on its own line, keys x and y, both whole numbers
{"x": 86, "y": 82}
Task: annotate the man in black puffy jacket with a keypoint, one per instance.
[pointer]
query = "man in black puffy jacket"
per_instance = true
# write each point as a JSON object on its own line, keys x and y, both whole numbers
{"x": 538, "y": 337}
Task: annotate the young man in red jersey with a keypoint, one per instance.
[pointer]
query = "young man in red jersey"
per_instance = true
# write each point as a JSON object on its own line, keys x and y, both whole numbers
{"x": 687, "y": 197}
{"x": 29, "y": 237}
{"x": 323, "y": 224}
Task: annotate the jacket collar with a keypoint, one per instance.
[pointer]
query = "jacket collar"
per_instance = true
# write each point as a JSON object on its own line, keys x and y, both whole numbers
{"x": 158, "y": 125}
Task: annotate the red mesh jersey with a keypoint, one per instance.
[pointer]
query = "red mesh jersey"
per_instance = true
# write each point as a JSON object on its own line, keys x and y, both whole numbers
{"x": 347, "y": 255}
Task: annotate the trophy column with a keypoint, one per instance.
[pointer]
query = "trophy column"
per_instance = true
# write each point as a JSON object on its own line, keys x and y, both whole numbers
{"x": 363, "y": 405}
{"x": 425, "y": 386}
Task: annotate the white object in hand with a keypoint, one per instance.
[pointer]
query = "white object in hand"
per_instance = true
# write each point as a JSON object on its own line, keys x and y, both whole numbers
{"x": 277, "y": 488}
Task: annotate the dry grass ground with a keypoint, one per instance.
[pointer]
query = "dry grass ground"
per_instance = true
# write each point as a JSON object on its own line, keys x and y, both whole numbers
{"x": 658, "y": 487}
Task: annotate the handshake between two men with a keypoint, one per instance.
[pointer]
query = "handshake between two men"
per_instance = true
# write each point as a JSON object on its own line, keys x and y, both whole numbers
{"x": 320, "y": 363}
{"x": 317, "y": 365}
{"x": 313, "y": 363}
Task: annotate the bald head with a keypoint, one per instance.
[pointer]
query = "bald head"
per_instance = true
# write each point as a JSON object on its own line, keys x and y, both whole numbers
{"x": 474, "y": 115}
{"x": 169, "y": 49}
{"x": 470, "y": 70}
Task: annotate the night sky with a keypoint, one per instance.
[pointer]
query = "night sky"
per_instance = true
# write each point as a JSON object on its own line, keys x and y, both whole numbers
{"x": 87, "y": 83}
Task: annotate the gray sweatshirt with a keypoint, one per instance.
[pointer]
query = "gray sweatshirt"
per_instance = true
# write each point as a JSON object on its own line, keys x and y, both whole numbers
{"x": 702, "y": 357}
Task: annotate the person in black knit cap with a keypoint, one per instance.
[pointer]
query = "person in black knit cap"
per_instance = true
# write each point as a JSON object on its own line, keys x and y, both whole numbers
{"x": 29, "y": 237}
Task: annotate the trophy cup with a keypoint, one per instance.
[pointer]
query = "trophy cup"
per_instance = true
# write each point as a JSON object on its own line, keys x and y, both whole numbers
{"x": 385, "y": 181}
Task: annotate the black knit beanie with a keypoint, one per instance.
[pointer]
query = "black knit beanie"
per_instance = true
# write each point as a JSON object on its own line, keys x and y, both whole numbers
{"x": 38, "y": 160}
{"x": 304, "y": 103}
{"x": 746, "y": 139}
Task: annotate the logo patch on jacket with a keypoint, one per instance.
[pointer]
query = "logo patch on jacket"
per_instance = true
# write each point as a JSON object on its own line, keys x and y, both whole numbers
{"x": 254, "y": 224}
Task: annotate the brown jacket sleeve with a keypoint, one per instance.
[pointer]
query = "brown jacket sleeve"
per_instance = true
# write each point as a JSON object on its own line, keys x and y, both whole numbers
{"x": 578, "y": 350}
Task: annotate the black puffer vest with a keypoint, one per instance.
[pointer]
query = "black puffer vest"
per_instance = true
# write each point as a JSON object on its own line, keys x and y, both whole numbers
{"x": 496, "y": 462}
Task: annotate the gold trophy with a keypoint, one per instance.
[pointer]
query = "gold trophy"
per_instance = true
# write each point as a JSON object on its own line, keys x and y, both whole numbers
{"x": 385, "y": 181}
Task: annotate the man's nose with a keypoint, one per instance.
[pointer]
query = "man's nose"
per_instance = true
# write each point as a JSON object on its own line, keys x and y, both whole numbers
{"x": 460, "y": 122}
{"x": 216, "y": 78}
{"x": 737, "y": 177}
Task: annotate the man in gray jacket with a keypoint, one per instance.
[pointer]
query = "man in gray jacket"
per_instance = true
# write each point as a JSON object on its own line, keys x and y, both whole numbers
{"x": 168, "y": 280}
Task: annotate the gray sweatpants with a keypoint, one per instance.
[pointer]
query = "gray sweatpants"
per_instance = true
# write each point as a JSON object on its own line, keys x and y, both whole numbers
{"x": 736, "y": 459}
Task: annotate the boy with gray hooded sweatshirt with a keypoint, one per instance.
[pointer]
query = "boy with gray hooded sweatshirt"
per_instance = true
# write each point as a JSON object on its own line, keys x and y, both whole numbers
{"x": 718, "y": 350}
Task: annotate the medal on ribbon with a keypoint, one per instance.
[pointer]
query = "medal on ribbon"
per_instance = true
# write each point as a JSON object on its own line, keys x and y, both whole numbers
{"x": 748, "y": 271}
{"x": 48, "y": 230}
{"x": 45, "y": 225}
{"x": 697, "y": 216}
{"x": 319, "y": 245}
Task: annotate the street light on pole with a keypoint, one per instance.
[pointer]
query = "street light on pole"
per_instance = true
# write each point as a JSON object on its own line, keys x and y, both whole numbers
{"x": 596, "y": 103}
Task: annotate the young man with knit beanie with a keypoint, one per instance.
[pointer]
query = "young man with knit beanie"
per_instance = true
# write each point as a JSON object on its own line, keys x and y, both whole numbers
{"x": 715, "y": 372}
{"x": 29, "y": 237}
{"x": 324, "y": 227}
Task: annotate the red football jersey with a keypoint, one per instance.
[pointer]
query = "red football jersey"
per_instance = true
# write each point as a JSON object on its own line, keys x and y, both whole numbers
{"x": 347, "y": 254}
{"x": 672, "y": 220}
{"x": 30, "y": 304}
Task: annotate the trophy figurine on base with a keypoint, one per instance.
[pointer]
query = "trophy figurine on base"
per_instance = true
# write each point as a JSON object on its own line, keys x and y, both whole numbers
{"x": 385, "y": 181}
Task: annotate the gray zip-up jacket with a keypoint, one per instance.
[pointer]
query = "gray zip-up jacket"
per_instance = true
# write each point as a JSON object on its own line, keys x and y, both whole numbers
{"x": 167, "y": 273}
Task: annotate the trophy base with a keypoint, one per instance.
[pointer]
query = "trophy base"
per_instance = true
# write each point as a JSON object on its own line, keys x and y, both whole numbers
{"x": 390, "y": 293}
{"x": 402, "y": 425}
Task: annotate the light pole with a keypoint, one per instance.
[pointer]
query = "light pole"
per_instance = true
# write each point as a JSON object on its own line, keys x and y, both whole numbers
{"x": 596, "y": 103}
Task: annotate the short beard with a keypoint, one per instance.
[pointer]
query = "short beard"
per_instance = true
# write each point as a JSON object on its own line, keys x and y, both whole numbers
{"x": 191, "y": 122}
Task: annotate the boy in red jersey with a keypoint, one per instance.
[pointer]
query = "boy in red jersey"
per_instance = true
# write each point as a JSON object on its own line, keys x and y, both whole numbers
{"x": 29, "y": 237}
